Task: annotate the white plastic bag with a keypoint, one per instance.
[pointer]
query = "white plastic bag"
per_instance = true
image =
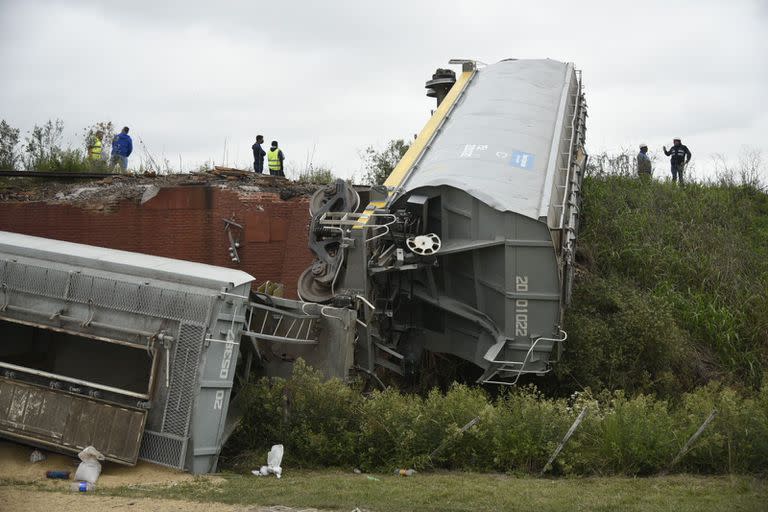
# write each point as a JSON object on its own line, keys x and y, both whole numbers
{"x": 90, "y": 467}
{"x": 274, "y": 459}
{"x": 37, "y": 456}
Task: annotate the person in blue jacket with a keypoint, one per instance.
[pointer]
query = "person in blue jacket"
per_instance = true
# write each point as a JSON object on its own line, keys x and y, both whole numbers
{"x": 122, "y": 147}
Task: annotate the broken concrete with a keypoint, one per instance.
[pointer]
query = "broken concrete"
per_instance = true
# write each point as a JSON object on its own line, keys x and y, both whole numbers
{"x": 140, "y": 188}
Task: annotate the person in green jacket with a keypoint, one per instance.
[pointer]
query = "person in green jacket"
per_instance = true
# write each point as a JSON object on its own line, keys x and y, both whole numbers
{"x": 95, "y": 146}
{"x": 275, "y": 159}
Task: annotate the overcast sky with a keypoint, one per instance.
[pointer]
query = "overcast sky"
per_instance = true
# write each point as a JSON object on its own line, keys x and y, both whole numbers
{"x": 328, "y": 78}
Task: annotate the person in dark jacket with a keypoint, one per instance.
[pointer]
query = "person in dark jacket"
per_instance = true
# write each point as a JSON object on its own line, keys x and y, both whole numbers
{"x": 681, "y": 155}
{"x": 258, "y": 154}
{"x": 275, "y": 158}
{"x": 122, "y": 147}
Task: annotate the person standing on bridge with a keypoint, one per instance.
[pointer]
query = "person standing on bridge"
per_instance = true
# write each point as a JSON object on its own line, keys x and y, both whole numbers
{"x": 95, "y": 146}
{"x": 122, "y": 147}
{"x": 681, "y": 155}
{"x": 275, "y": 158}
{"x": 644, "y": 168}
{"x": 258, "y": 155}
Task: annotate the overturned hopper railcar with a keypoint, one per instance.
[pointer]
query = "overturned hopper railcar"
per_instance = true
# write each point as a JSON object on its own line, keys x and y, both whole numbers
{"x": 468, "y": 247}
{"x": 142, "y": 356}
{"x": 131, "y": 353}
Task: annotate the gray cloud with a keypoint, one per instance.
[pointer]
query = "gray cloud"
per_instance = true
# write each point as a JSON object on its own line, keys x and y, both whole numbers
{"x": 327, "y": 79}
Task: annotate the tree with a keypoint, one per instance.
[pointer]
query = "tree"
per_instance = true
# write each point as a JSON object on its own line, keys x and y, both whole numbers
{"x": 380, "y": 164}
{"x": 9, "y": 138}
{"x": 42, "y": 146}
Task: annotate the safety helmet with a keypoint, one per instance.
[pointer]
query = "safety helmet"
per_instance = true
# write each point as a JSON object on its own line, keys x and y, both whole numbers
{"x": 643, "y": 145}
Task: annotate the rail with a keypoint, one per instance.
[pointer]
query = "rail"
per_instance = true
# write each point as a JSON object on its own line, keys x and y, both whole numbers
{"x": 569, "y": 164}
{"x": 65, "y": 175}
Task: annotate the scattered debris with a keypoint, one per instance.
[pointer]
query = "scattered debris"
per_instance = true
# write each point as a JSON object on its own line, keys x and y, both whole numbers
{"x": 90, "y": 467}
{"x": 36, "y": 456}
{"x": 405, "y": 472}
{"x": 82, "y": 487}
{"x": 57, "y": 474}
{"x": 230, "y": 172}
{"x": 357, "y": 471}
{"x": 373, "y": 478}
{"x": 274, "y": 459}
{"x": 234, "y": 241}
{"x": 140, "y": 188}
{"x": 150, "y": 191}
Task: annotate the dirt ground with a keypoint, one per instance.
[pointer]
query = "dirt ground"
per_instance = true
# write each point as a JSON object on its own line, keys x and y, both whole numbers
{"x": 15, "y": 466}
{"x": 56, "y": 497}
{"x": 24, "y": 500}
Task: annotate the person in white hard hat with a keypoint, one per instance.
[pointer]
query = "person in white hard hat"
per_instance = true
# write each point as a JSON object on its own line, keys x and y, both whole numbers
{"x": 644, "y": 168}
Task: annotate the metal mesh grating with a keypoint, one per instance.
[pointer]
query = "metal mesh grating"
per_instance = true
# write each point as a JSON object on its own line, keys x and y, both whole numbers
{"x": 149, "y": 299}
{"x": 80, "y": 288}
{"x": 36, "y": 280}
{"x": 184, "y": 370}
{"x": 138, "y": 298}
{"x": 125, "y": 296}
{"x": 164, "y": 449}
{"x": 103, "y": 292}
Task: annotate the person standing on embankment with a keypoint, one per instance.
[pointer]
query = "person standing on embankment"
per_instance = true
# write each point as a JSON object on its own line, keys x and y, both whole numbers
{"x": 681, "y": 155}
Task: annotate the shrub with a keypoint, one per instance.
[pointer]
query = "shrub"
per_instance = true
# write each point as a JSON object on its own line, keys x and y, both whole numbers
{"x": 738, "y": 441}
{"x": 624, "y": 436}
{"x": 316, "y": 175}
{"x": 313, "y": 418}
{"x": 523, "y": 429}
{"x": 622, "y": 337}
{"x": 328, "y": 423}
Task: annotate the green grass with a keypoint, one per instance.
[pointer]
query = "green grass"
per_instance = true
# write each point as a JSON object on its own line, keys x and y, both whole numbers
{"x": 671, "y": 290}
{"x": 456, "y": 491}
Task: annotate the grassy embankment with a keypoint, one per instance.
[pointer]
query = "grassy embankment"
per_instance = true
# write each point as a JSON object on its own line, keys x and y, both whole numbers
{"x": 672, "y": 292}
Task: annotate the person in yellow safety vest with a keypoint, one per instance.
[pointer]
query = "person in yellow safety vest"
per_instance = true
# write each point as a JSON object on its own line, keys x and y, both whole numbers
{"x": 95, "y": 146}
{"x": 275, "y": 158}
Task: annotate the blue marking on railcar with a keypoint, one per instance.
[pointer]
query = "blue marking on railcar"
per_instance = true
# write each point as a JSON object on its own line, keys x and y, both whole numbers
{"x": 522, "y": 160}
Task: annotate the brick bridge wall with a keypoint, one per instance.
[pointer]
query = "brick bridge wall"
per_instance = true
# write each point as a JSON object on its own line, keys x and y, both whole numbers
{"x": 184, "y": 222}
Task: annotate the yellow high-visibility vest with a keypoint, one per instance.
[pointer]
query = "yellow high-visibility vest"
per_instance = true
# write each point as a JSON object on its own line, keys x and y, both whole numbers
{"x": 94, "y": 152}
{"x": 273, "y": 158}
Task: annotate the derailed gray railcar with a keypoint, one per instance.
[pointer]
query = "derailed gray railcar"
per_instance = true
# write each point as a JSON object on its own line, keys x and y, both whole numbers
{"x": 469, "y": 249}
{"x": 131, "y": 353}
